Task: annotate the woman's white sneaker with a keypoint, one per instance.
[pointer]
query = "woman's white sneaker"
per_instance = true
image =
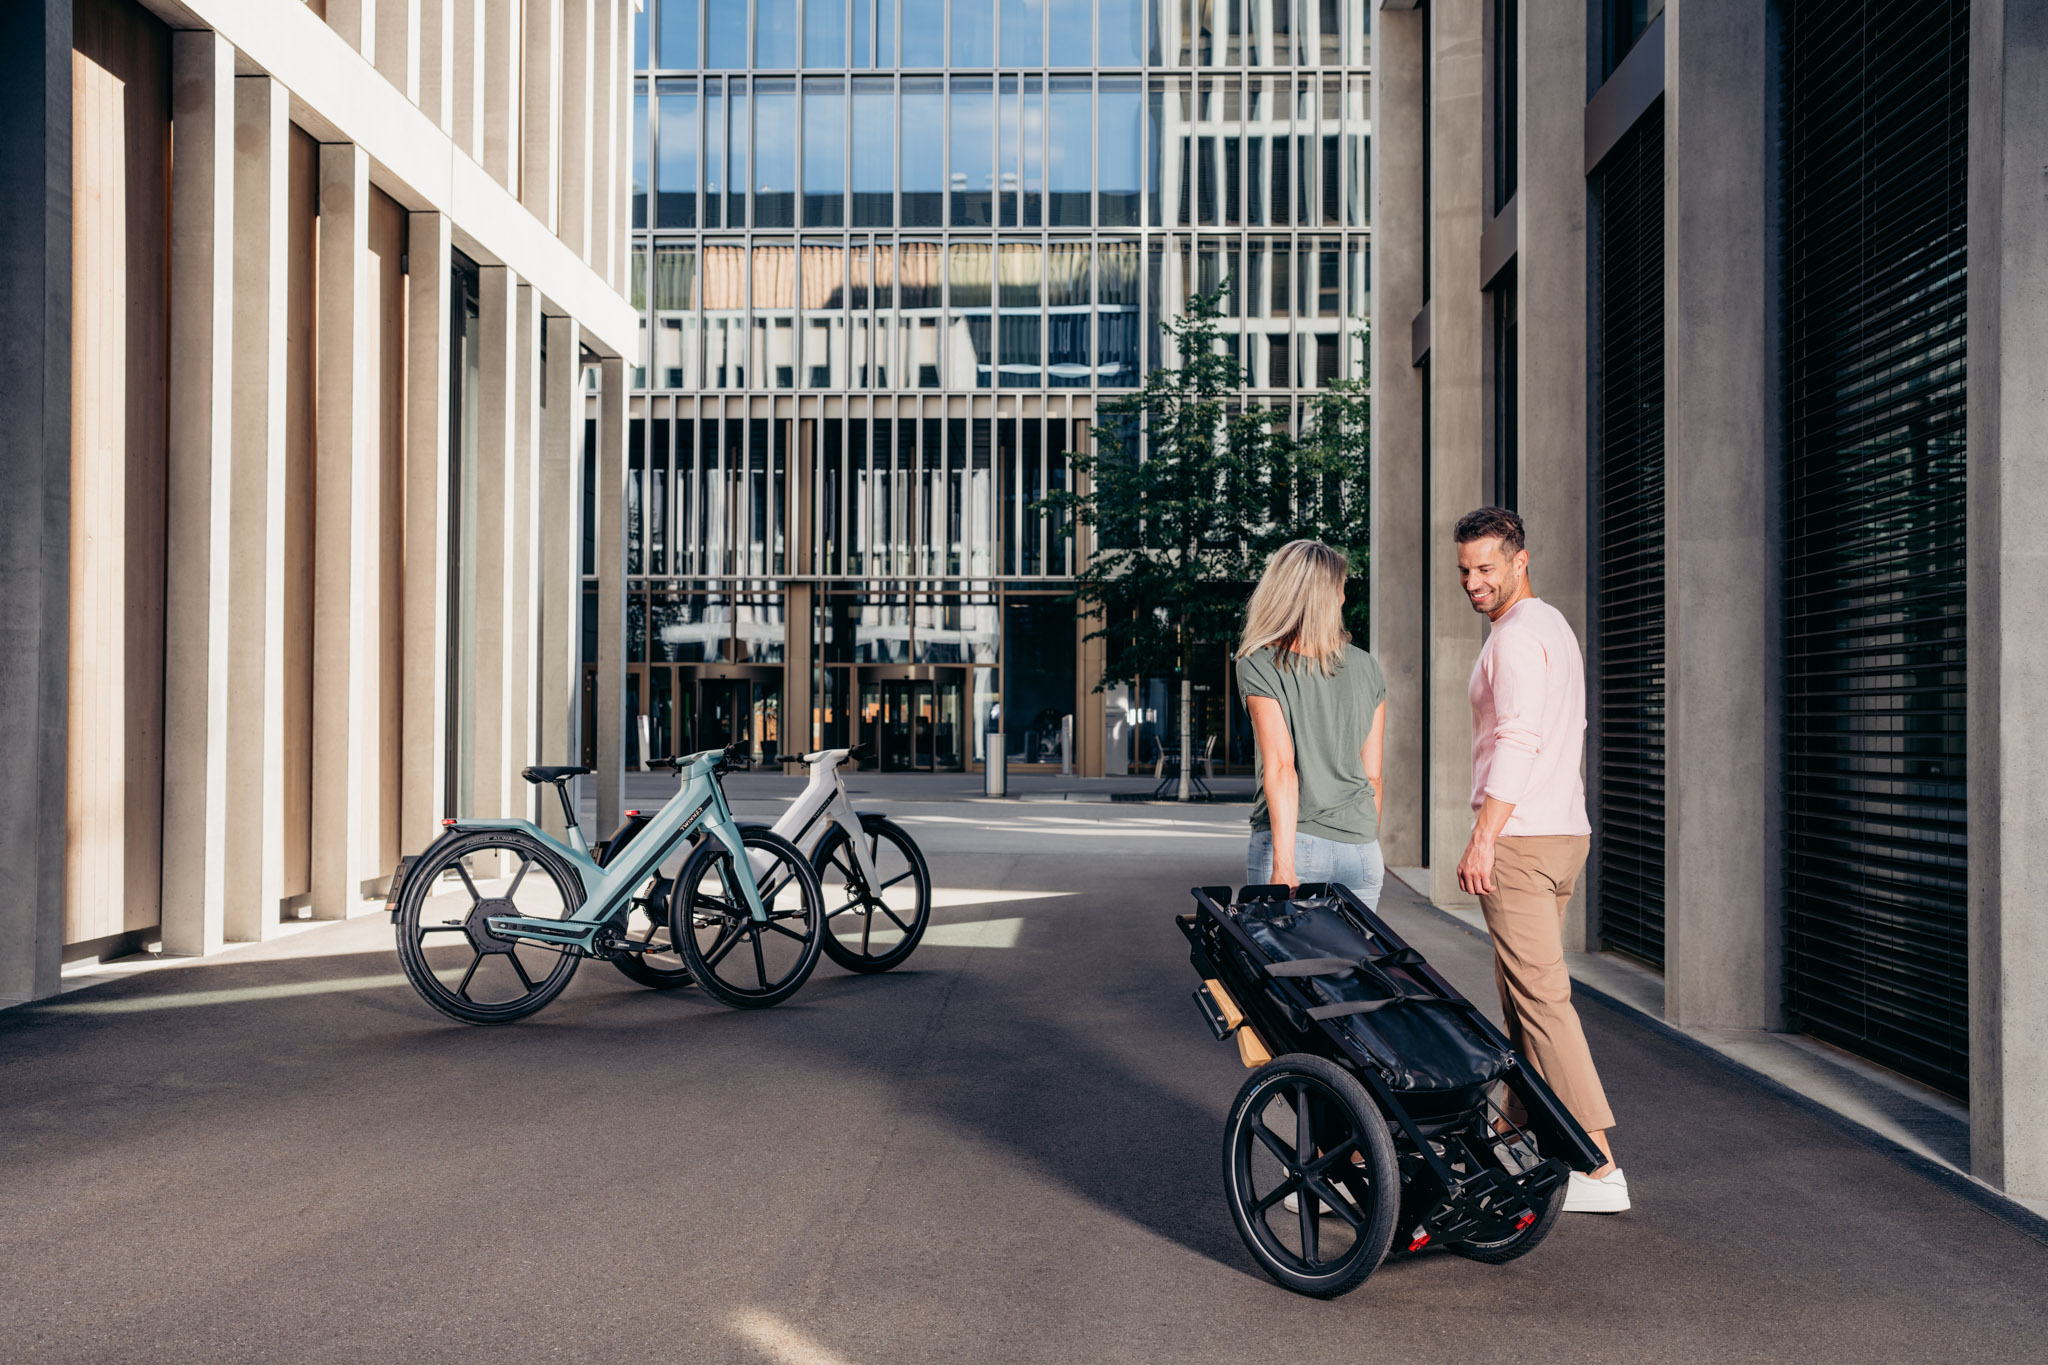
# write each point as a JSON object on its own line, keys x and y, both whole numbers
{"x": 1608, "y": 1194}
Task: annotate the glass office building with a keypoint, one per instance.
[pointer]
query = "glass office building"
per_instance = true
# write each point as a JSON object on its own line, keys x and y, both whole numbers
{"x": 890, "y": 256}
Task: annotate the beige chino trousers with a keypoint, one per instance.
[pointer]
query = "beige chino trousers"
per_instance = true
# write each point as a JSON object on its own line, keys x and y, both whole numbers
{"x": 1533, "y": 877}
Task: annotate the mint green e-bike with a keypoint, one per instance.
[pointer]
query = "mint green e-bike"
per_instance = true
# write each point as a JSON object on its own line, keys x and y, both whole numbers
{"x": 744, "y": 918}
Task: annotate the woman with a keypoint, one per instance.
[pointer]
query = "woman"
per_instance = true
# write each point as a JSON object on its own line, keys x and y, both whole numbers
{"x": 1318, "y": 708}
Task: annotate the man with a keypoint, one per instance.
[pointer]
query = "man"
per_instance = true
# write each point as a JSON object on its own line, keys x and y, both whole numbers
{"x": 1529, "y": 836}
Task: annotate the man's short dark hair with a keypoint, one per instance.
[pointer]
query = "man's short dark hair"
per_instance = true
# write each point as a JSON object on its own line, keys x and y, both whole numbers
{"x": 1492, "y": 522}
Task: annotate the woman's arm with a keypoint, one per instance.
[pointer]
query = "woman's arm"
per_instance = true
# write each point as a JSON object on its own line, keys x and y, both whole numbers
{"x": 1374, "y": 757}
{"x": 1283, "y": 793}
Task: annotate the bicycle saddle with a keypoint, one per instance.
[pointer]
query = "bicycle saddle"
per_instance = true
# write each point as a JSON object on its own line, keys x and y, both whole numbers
{"x": 540, "y": 775}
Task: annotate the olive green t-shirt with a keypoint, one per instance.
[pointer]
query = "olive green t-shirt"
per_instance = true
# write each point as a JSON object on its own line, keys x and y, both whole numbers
{"x": 1329, "y": 717}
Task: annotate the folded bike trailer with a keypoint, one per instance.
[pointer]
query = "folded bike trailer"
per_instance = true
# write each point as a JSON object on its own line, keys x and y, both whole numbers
{"x": 1369, "y": 1124}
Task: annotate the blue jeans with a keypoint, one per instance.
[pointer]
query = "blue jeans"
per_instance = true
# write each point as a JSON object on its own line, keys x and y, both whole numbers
{"x": 1357, "y": 867}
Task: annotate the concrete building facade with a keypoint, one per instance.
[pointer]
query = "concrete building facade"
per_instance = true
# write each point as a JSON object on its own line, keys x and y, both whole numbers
{"x": 299, "y": 301}
{"x": 1742, "y": 305}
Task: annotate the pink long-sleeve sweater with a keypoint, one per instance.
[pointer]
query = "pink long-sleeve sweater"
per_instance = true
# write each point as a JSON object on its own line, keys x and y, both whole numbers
{"x": 1529, "y": 721}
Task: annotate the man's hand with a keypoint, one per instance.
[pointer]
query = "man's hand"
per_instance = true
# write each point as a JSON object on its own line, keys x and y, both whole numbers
{"x": 1475, "y": 869}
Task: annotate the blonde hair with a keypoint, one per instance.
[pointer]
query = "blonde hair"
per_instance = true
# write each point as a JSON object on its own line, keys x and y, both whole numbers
{"x": 1298, "y": 607}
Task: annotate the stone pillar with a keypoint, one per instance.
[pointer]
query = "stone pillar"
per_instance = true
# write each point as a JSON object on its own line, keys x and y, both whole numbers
{"x": 523, "y": 616}
{"x": 423, "y": 750}
{"x": 2008, "y": 631}
{"x": 437, "y": 62}
{"x": 1551, "y": 271}
{"x": 398, "y": 44}
{"x": 35, "y": 488}
{"x": 345, "y": 536}
{"x": 540, "y": 90}
{"x": 611, "y": 592}
{"x": 255, "y": 772}
{"x": 356, "y": 22}
{"x": 558, "y": 549}
{"x": 503, "y": 45}
{"x": 1721, "y": 489}
{"x": 196, "y": 620}
{"x": 608, "y": 237}
{"x": 496, "y": 445}
{"x": 576, "y": 165}
{"x": 1457, "y": 458}
{"x": 1400, "y": 566}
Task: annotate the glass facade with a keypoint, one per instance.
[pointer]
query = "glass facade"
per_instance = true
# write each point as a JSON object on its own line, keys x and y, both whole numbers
{"x": 890, "y": 253}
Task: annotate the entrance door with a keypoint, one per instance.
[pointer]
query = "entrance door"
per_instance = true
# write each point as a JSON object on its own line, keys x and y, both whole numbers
{"x": 724, "y": 708}
{"x": 904, "y": 741}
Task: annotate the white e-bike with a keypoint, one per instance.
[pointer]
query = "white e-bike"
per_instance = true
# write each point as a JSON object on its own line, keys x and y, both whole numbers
{"x": 878, "y": 890}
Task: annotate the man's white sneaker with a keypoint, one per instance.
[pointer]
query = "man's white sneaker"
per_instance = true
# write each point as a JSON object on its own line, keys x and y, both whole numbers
{"x": 1608, "y": 1194}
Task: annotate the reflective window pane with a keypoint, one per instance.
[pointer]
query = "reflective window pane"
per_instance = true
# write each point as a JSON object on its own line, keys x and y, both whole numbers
{"x": 725, "y": 46}
{"x": 1119, "y": 30}
{"x": 1070, "y": 152}
{"x": 1118, "y": 316}
{"x": 924, "y": 33}
{"x": 974, "y": 33}
{"x": 1118, "y": 168}
{"x": 874, "y": 146}
{"x": 640, "y": 154}
{"x": 675, "y": 317}
{"x": 774, "y": 153}
{"x": 1023, "y": 32}
{"x": 676, "y": 174}
{"x": 1073, "y": 32}
{"x": 1070, "y": 314}
{"x": 774, "y": 32}
{"x": 824, "y": 33}
{"x": 973, "y": 144}
{"x": 824, "y": 169}
{"x": 714, "y": 155}
{"x": 640, "y": 41}
{"x": 678, "y": 35}
{"x": 924, "y": 152}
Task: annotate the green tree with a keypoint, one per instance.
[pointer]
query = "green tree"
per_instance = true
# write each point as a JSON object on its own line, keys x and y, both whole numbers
{"x": 1186, "y": 493}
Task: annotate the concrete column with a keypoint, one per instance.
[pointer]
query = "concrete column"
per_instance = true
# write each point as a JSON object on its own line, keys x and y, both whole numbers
{"x": 196, "y": 620}
{"x": 577, "y": 166}
{"x": 798, "y": 700}
{"x": 1551, "y": 274}
{"x": 606, "y": 225}
{"x": 501, "y": 38}
{"x": 1400, "y": 562}
{"x": 423, "y": 745}
{"x": 611, "y": 592}
{"x": 35, "y": 488}
{"x": 255, "y": 772}
{"x": 438, "y": 85}
{"x": 540, "y": 130}
{"x": 1721, "y": 463}
{"x": 522, "y": 630}
{"x": 1457, "y": 455}
{"x": 496, "y": 452}
{"x": 344, "y": 539}
{"x": 470, "y": 24}
{"x": 2008, "y": 631}
{"x": 558, "y": 549}
{"x": 398, "y": 44}
{"x": 356, "y": 22}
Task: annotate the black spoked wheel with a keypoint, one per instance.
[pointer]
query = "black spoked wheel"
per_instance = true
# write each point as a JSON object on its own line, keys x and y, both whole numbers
{"x": 736, "y": 959}
{"x": 445, "y": 943}
{"x": 648, "y": 955}
{"x": 1306, "y": 1127}
{"x": 871, "y": 929}
{"x": 1512, "y": 1156}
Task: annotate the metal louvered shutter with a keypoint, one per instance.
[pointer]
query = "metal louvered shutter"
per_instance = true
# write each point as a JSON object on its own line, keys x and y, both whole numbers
{"x": 1876, "y": 875}
{"x": 1629, "y": 515}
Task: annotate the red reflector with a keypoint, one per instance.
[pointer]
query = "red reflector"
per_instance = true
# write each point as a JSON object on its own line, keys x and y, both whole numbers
{"x": 446, "y": 823}
{"x": 632, "y": 812}
{"x": 1420, "y": 1240}
{"x": 1524, "y": 1221}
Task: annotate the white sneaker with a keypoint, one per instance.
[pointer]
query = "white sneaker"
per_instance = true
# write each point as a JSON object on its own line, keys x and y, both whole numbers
{"x": 1608, "y": 1194}
{"x": 1292, "y": 1203}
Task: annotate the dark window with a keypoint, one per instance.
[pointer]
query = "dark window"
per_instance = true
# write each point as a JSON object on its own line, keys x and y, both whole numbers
{"x": 1627, "y": 20}
{"x": 1507, "y": 67}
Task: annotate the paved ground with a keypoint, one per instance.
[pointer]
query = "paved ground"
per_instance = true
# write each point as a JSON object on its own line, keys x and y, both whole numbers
{"x": 1004, "y": 1153}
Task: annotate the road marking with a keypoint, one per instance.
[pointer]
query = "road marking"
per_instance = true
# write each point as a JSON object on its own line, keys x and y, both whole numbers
{"x": 1082, "y": 828}
{"x": 782, "y": 1341}
{"x": 953, "y": 897}
{"x": 240, "y": 995}
{"x": 981, "y": 933}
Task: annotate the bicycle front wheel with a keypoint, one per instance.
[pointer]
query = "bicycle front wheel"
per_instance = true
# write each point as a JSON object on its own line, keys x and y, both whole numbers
{"x": 736, "y": 959}
{"x": 445, "y": 943}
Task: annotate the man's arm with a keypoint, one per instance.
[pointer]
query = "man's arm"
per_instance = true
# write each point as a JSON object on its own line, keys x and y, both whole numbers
{"x": 1520, "y": 673}
{"x": 1282, "y": 789}
{"x": 1475, "y": 869}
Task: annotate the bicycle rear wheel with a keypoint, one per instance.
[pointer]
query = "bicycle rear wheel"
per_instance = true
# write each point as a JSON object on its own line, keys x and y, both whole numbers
{"x": 736, "y": 959}
{"x": 871, "y": 929}
{"x": 445, "y": 943}
{"x": 659, "y": 965}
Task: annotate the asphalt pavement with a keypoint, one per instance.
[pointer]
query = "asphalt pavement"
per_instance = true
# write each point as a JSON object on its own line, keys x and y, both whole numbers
{"x": 1007, "y": 1151}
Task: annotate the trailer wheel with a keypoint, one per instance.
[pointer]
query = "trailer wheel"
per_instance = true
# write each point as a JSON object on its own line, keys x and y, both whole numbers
{"x": 1305, "y": 1126}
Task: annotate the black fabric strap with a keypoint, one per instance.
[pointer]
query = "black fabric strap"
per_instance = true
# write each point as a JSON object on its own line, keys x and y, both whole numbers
{"x": 1344, "y": 1007}
{"x": 1312, "y": 966}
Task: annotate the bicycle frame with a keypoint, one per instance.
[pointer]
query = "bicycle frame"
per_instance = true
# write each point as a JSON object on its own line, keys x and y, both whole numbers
{"x": 699, "y": 806}
{"x": 825, "y": 796}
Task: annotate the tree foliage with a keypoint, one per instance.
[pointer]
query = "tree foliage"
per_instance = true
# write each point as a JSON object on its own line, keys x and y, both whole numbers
{"x": 1190, "y": 488}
